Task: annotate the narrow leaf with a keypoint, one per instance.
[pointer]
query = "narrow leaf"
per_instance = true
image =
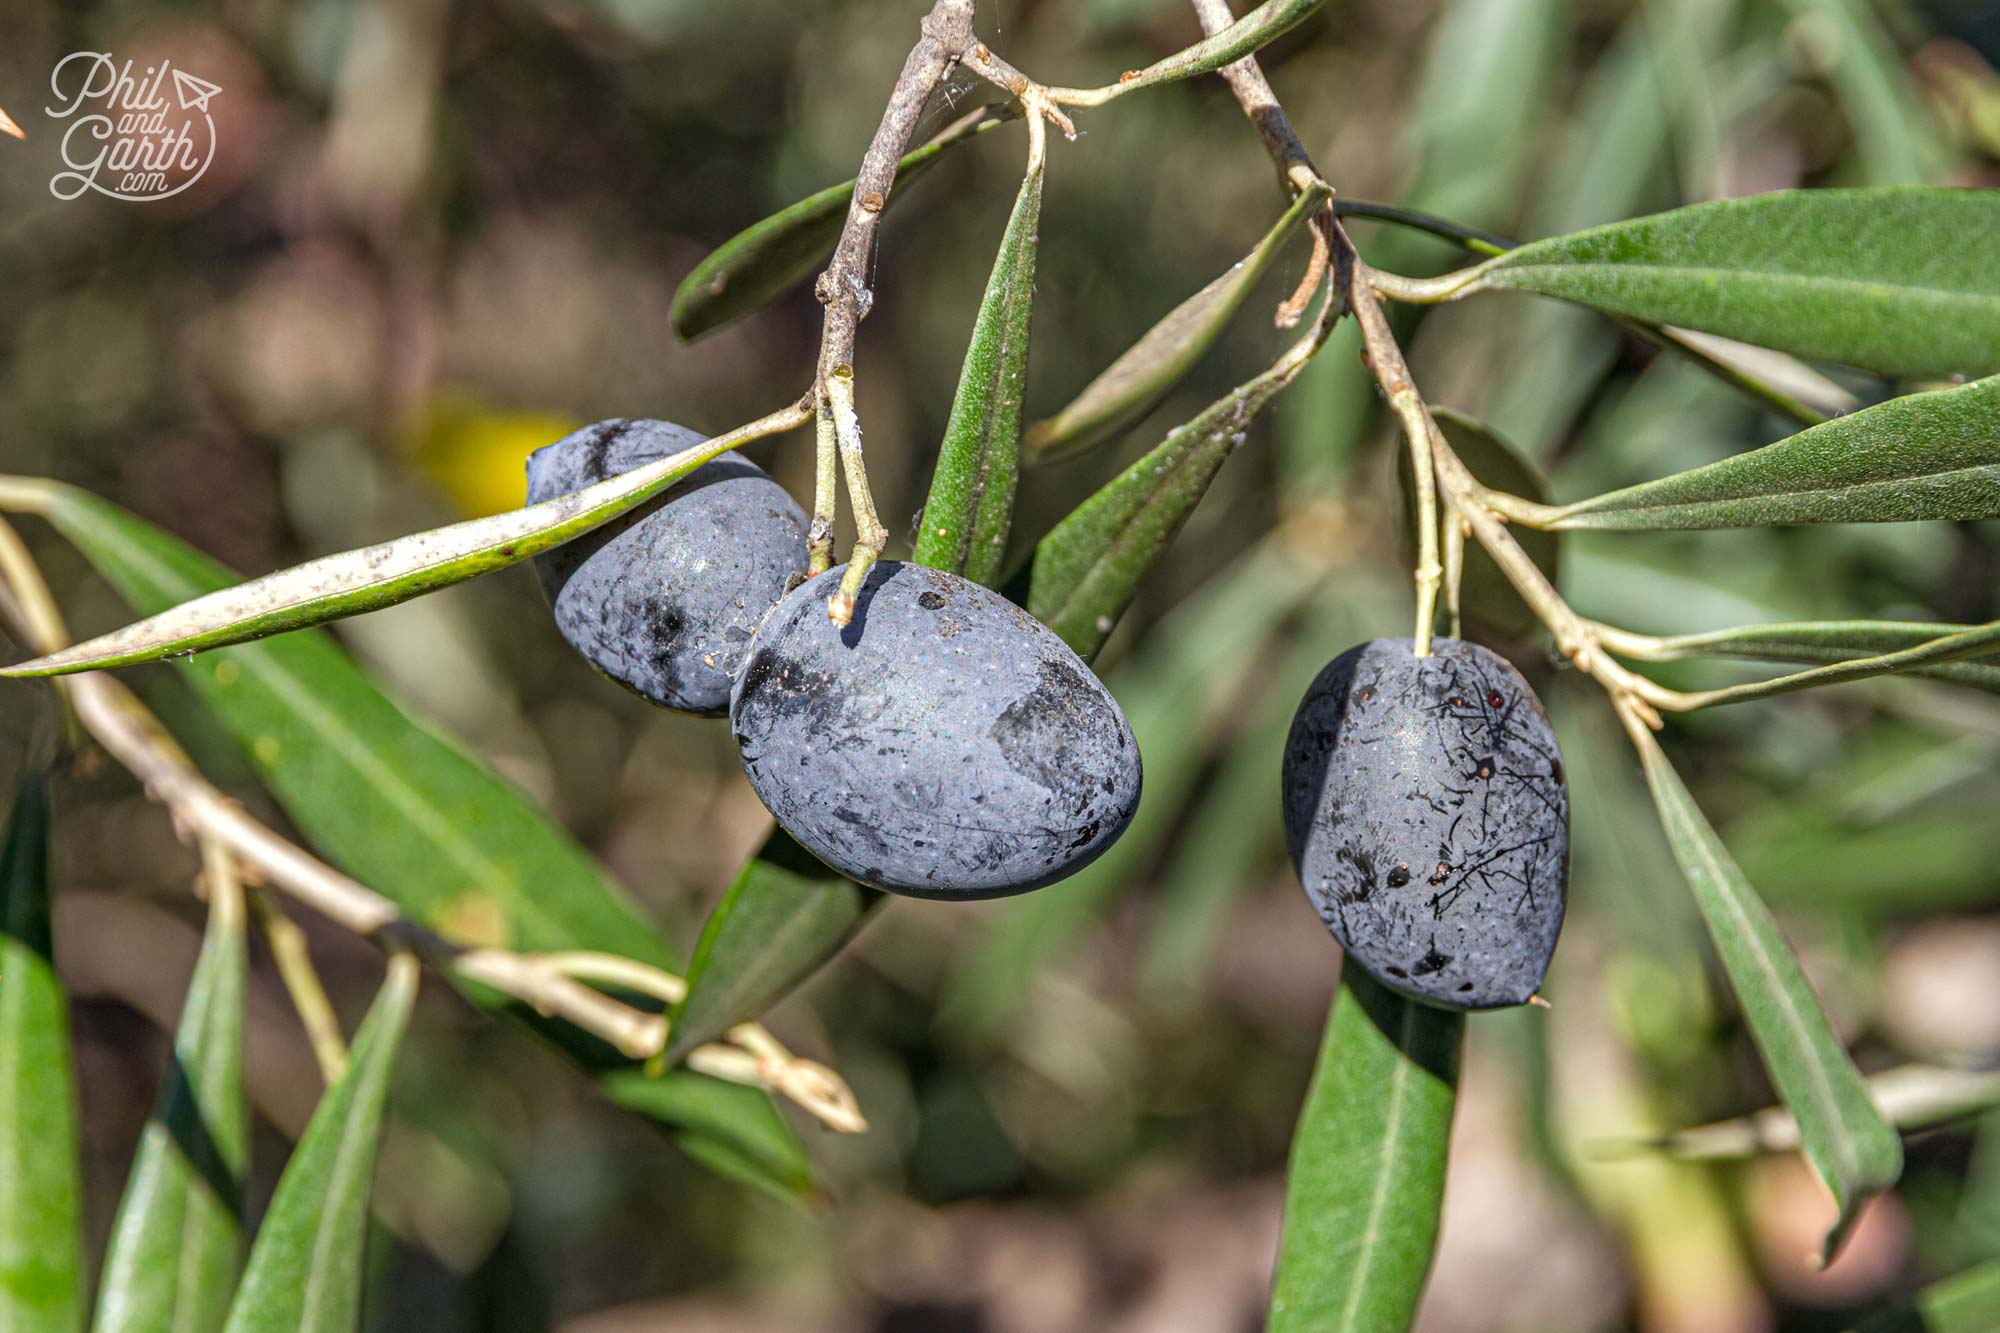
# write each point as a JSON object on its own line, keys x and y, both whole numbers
{"x": 1134, "y": 384}
{"x": 764, "y": 259}
{"x": 1831, "y": 641}
{"x": 1366, "y": 1179}
{"x": 1485, "y": 593}
{"x": 1892, "y": 280}
{"x": 784, "y": 916}
{"x": 41, "y": 1232}
{"x": 304, "y": 1274}
{"x": 1255, "y": 30}
{"x": 1898, "y": 141}
{"x": 1924, "y": 456}
{"x": 178, "y": 1243}
{"x": 1979, "y": 642}
{"x": 397, "y": 806}
{"x": 370, "y": 577}
{"x": 1853, "y": 1149}
{"x": 971, "y": 507}
{"x": 1088, "y": 568}
{"x": 728, "y": 1127}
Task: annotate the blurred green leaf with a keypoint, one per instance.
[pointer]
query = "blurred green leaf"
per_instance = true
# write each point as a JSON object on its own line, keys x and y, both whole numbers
{"x": 1849, "y": 1144}
{"x": 1485, "y": 595}
{"x": 765, "y": 258}
{"x": 784, "y": 915}
{"x": 1891, "y": 280}
{"x": 1367, "y": 1170}
{"x": 1898, "y": 141}
{"x": 1829, "y": 641}
{"x": 1967, "y": 1302}
{"x": 1146, "y": 372}
{"x": 399, "y": 807}
{"x": 304, "y": 1274}
{"x": 1088, "y": 568}
{"x": 732, "y": 1129}
{"x": 368, "y": 578}
{"x": 970, "y": 511}
{"x": 41, "y": 1230}
{"x": 1924, "y": 456}
{"x": 178, "y": 1242}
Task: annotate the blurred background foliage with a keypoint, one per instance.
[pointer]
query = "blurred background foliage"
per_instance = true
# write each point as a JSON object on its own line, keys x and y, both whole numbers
{"x": 438, "y": 236}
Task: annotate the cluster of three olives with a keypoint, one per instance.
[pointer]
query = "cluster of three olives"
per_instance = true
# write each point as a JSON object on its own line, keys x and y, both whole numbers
{"x": 947, "y": 744}
{"x": 943, "y": 744}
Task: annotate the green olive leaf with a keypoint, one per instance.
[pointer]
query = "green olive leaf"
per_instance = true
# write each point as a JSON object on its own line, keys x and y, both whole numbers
{"x": 396, "y": 805}
{"x": 970, "y": 511}
{"x": 1851, "y": 1146}
{"x": 304, "y": 1272}
{"x": 177, "y": 1246}
{"x": 1146, "y": 372}
{"x": 1366, "y": 1181}
{"x": 1924, "y": 456}
{"x": 1893, "y": 280}
{"x": 1966, "y": 1302}
{"x": 370, "y": 577}
{"x": 41, "y": 1227}
{"x": 1834, "y": 642}
{"x": 1089, "y": 566}
{"x": 784, "y": 915}
{"x": 758, "y": 263}
{"x": 732, "y": 1129}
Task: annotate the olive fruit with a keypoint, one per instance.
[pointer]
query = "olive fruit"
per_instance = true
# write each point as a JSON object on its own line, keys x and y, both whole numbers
{"x": 946, "y": 744}
{"x": 664, "y": 599}
{"x": 1428, "y": 817}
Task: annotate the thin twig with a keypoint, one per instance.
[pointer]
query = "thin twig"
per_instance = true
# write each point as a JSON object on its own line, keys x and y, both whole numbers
{"x": 133, "y": 736}
{"x": 301, "y": 980}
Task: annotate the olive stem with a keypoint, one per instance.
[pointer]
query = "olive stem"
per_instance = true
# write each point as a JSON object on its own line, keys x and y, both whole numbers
{"x": 869, "y": 534}
{"x": 296, "y": 971}
{"x": 1454, "y": 565}
{"x": 826, "y": 494}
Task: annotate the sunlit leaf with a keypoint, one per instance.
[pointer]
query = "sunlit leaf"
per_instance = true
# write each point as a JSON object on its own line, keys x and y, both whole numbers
{"x": 370, "y": 577}
{"x": 1089, "y": 566}
{"x": 1366, "y": 1180}
{"x": 971, "y": 506}
{"x": 178, "y": 1243}
{"x": 785, "y": 915}
{"x": 1924, "y": 456}
{"x": 728, "y": 1127}
{"x": 1146, "y": 372}
{"x": 762, "y": 260}
{"x": 41, "y": 1231}
{"x": 396, "y": 805}
{"x": 1892, "y": 280}
{"x": 304, "y": 1273}
{"x": 1853, "y": 1149}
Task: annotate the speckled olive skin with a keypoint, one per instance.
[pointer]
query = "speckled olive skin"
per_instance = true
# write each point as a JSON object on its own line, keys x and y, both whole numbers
{"x": 946, "y": 744}
{"x": 1428, "y": 817}
{"x": 664, "y": 600}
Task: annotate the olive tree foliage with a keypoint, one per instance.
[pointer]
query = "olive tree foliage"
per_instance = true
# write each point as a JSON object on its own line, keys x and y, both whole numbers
{"x": 1899, "y": 282}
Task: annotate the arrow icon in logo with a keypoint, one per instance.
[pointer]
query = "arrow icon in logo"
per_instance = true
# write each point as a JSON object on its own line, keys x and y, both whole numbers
{"x": 7, "y": 126}
{"x": 194, "y": 93}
